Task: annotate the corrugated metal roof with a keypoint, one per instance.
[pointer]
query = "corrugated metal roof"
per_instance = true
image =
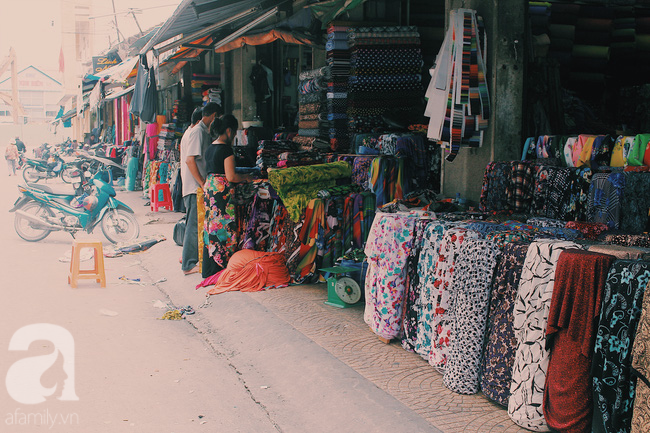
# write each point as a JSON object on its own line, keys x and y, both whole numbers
{"x": 193, "y": 15}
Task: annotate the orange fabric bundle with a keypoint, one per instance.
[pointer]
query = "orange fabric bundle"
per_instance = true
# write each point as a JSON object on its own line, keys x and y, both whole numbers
{"x": 252, "y": 271}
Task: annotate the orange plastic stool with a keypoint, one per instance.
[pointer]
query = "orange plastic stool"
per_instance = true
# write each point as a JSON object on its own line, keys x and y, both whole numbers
{"x": 166, "y": 202}
{"x": 97, "y": 273}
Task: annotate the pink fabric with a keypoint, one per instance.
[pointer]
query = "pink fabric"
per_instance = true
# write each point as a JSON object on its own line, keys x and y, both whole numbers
{"x": 153, "y": 147}
{"x": 152, "y": 130}
{"x": 211, "y": 280}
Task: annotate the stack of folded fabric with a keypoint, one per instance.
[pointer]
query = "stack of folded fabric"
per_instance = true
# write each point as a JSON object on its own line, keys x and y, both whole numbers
{"x": 201, "y": 83}
{"x": 269, "y": 151}
{"x": 212, "y": 94}
{"x": 167, "y": 136}
{"x": 180, "y": 111}
{"x": 301, "y": 157}
{"x": 385, "y": 74}
{"x": 312, "y": 121}
{"x": 338, "y": 60}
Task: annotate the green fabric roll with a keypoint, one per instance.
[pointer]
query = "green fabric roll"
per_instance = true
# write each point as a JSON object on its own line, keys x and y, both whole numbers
{"x": 564, "y": 31}
{"x": 643, "y": 42}
{"x": 635, "y": 157}
{"x": 591, "y": 51}
{"x": 296, "y": 186}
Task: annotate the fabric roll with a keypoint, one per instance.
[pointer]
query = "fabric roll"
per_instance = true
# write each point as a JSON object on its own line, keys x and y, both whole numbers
{"x": 499, "y": 354}
{"x": 613, "y": 383}
{"x": 621, "y": 252}
{"x": 431, "y": 241}
{"x": 641, "y": 369}
{"x": 450, "y": 247}
{"x": 570, "y": 332}
{"x": 530, "y": 317}
{"x": 412, "y": 305}
{"x": 470, "y": 298}
{"x": 640, "y": 240}
{"x": 564, "y": 31}
{"x": 635, "y": 203}
{"x": 603, "y": 204}
{"x": 387, "y": 249}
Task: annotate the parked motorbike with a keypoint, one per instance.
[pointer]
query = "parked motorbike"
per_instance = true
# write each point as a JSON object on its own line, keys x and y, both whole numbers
{"x": 41, "y": 210}
{"x": 36, "y": 169}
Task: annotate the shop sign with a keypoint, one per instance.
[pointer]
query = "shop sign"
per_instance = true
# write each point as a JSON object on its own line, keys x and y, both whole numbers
{"x": 103, "y": 62}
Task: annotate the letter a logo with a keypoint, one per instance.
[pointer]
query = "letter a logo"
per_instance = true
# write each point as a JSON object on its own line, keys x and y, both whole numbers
{"x": 24, "y": 377}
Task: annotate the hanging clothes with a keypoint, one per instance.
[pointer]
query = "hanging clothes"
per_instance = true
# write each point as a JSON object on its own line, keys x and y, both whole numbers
{"x": 571, "y": 330}
{"x": 613, "y": 383}
{"x": 499, "y": 356}
{"x": 470, "y": 297}
{"x": 220, "y": 235}
{"x": 530, "y": 316}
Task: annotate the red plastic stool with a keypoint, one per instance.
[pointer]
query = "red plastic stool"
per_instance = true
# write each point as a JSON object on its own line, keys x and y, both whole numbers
{"x": 166, "y": 202}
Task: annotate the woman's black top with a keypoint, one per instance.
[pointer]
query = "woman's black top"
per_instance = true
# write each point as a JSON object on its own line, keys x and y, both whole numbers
{"x": 215, "y": 156}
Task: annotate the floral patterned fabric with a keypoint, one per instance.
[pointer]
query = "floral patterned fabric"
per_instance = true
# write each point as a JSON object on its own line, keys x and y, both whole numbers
{"x": 413, "y": 305}
{"x": 499, "y": 355}
{"x": 543, "y": 222}
{"x": 495, "y": 184}
{"x": 619, "y": 314}
{"x": 431, "y": 240}
{"x": 387, "y": 250}
{"x": 635, "y": 203}
{"x": 530, "y": 316}
{"x": 503, "y": 238}
{"x": 640, "y": 240}
{"x": 470, "y": 297}
{"x": 641, "y": 369}
{"x": 589, "y": 230}
{"x": 450, "y": 247}
{"x": 220, "y": 231}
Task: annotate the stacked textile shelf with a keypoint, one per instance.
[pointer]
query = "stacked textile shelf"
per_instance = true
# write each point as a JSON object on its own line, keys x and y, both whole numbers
{"x": 202, "y": 83}
{"x": 312, "y": 90}
{"x": 385, "y": 74}
{"x": 338, "y": 60}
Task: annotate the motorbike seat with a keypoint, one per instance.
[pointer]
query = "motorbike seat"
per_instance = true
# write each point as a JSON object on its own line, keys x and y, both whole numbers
{"x": 50, "y": 190}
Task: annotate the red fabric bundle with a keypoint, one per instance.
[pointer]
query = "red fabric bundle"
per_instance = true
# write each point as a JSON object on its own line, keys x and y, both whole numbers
{"x": 589, "y": 229}
{"x": 571, "y": 330}
{"x": 252, "y": 271}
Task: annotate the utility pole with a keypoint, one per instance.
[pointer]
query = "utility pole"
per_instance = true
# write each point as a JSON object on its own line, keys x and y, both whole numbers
{"x": 16, "y": 106}
{"x": 132, "y": 12}
{"x": 117, "y": 29}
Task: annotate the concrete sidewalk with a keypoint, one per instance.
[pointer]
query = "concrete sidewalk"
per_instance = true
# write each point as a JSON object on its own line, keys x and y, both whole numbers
{"x": 290, "y": 346}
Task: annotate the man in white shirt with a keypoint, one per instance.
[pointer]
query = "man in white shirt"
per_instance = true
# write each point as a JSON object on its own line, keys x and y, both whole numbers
{"x": 194, "y": 143}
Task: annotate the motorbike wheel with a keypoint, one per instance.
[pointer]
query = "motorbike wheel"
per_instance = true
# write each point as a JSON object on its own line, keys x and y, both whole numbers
{"x": 69, "y": 174}
{"x": 30, "y": 174}
{"x": 120, "y": 226}
{"x": 28, "y": 230}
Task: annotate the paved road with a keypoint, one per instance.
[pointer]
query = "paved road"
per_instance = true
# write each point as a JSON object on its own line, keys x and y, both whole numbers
{"x": 239, "y": 365}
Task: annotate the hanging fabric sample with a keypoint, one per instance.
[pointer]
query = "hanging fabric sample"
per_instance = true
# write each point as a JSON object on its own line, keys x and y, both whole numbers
{"x": 530, "y": 316}
{"x": 458, "y": 101}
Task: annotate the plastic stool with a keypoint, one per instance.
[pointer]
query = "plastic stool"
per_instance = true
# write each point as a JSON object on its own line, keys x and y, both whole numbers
{"x": 97, "y": 273}
{"x": 166, "y": 202}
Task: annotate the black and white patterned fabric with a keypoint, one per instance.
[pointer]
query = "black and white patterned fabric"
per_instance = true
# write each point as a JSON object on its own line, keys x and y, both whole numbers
{"x": 531, "y": 309}
{"x": 470, "y": 301}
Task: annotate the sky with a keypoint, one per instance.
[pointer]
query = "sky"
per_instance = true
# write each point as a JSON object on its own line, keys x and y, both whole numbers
{"x": 33, "y": 27}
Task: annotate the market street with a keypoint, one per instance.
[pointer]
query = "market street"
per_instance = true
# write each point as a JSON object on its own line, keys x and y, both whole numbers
{"x": 233, "y": 367}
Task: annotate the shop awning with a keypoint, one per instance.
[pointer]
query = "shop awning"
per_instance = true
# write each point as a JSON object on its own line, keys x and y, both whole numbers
{"x": 328, "y": 10}
{"x": 117, "y": 93}
{"x": 68, "y": 115}
{"x": 120, "y": 73}
{"x": 189, "y": 51}
{"x": 265, "y": 38}
{"x": 199, "y": 18}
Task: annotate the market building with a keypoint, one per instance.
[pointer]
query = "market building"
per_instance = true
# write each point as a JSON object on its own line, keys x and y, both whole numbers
{"x": 467, "y": 160}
